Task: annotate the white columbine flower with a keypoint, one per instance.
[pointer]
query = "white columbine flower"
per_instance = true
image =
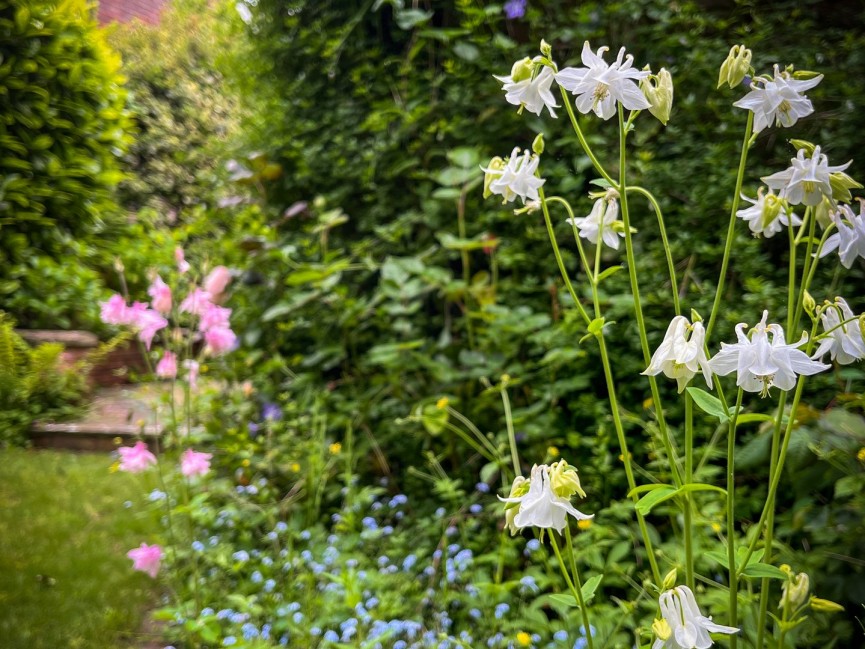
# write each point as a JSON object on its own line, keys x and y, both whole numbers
{"x": 539, "y": 506}
{"x": 681, "y": 354}
{"x": 843, "y": 342}
{"x": 682, "y": 625}
{"x": 516, "y": 177}
{"x": 600, "y": 85}
{"x": 528, "y": 87}
{"x": 605, "y": 211}
{"x": 778, "y": 101}
{"x": 849, "y": 240}
{"x": 761, "y": 364}
{"x": 807, "y": 180}
{"x": 767, "y": 214}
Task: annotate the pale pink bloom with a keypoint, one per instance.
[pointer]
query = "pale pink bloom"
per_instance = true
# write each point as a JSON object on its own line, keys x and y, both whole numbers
{"x": 193, "y": 463}
{"x": 196, "y": 302}
{"x": 180, "y": 258}
{"x": 114, "y": 310}
{"x": 166, "y": 368}
{"x": 133, "y": 313}
{"x": 135, "y": 459}
{"x": 146, "y": 558}
{"x": 191, "y": 372}
{"x": 220, "y": 340}
{"x": 214, "y": 317}
{"x": 217, "y": 280}
{"x": 148, "y": 322}
{"x": 160, "y": 293}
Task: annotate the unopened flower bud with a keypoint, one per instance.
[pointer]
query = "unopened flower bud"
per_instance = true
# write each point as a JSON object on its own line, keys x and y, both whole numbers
{"x": 695, "y": 316}
{"x": 546, "y": 49}
{"x": 658, "y": 89}
{"x": 823, "y": 211}
{"x": 809, "y": 303}
{"x": 522, "y": 70}
{"x": 794, "y": 591}
{"x": 564, "y": 480}
{"x": 841, "y": 185}
{"x": 493, "y": 171}
{"x": 803, "y": 144}
{"x": 519, "y": 488}
{"x": 804, "y": 75}
{"x": 825, "y": 606}
{"x": 735, "y": 67}
{"x": 538, "y": 144}
{"x": 670, "y": 579}
{"x": 772, "y": 207}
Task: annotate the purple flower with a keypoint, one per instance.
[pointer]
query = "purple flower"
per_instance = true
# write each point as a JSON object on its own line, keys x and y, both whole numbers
{"x": 271, "y": 412}
{"x": 515, "y": 9}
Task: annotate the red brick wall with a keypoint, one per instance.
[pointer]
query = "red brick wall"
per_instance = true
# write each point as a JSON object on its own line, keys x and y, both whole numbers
{"x": 123, "y": 11}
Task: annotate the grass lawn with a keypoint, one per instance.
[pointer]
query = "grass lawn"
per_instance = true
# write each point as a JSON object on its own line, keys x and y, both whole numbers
{"x": 65, "y": 581}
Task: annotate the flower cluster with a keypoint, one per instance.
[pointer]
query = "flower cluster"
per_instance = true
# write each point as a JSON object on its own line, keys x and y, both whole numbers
{"x": 682, "y": 625}
{"x": 778, "y": 100}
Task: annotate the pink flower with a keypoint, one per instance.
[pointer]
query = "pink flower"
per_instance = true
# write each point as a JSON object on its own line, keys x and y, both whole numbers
{"x": 220, "y": 340}
{"x": 148, "y": 322}
{"x": 166, "y": 368}
{"x": 135, "y": 459}
{"x": 192, "y": 463}
{"x": 180, "y": 258}
{"x": 146, "y": 558}
{"x": 114, "y": 310}
{"x": 196, "y": 302}
{"x": 214, "y": 317}
{"x": 191, "y": 372}
{"x": 217, "y": 280}
{"x": 160, "y": 292}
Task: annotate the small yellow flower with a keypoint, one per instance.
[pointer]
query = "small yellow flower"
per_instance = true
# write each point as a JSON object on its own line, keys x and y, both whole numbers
{"x": 524, "y": 639}
{"x": 245, "y": 462}
{"x": 442, "y": 403}
{"x": 295, "y": 467}
{"x": 114, "y": 468}
{"x": 716, "y": 527}
{"x": 335, "y": 448}
{"x": 553, "y": 451}
{"x": 119, "y": 440}
{"x": 584, "y": 524}
{"x": 861, "y": 454}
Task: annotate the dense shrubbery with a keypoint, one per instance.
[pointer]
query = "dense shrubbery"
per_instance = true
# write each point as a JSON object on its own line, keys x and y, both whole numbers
{"x": 63, "y": 131}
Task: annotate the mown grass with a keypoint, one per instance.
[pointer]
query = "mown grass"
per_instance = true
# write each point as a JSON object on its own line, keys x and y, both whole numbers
{"x": 65, "y": 580}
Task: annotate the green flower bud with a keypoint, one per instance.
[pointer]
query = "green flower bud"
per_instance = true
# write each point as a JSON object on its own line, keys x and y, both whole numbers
{"x": 825, "y": 606}
{"x": 803, "y": 144}
{"x": 564, "y": 480}
{"x": 492, "y": 171}
{"x": 809, "y": 303}
{"x": 522, "y": 70}
{"x": 735, "y": 67}
{"x": 658, "y": 89}
{"x": 794, "y": 591}
{"x": 841, "y": 185}
{"x": 822, "y": 212}
{"x": 670, "y": 579}
{"x": 695, "y": 316}
{"x": 519, "y": 488}
{"x": 772, "y": 207}
{"x": 804, "y": 75}
{"x": 538, "y": 144}
{"x": 546, "y": 49}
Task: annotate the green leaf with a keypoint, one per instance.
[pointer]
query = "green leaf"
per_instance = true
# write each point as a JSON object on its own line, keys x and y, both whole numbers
{"x": 709, "y": 404}
{"x": 647, "y": 502}
{"x": 761, "y": 570}
{"x": 589, "y": 588}
{"x": 612, "y": 270}
{"x": 753, "y": 416}
{"x": 464, "y": 156}
{"x": 644, "y": 488}
{"x": 697, "y": 486}
{"x": 565, "y": 600}
{"x": 411, "y": 18}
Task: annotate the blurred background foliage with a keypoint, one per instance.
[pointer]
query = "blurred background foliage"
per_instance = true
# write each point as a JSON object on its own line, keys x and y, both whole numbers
{"x": 329, "y": 153}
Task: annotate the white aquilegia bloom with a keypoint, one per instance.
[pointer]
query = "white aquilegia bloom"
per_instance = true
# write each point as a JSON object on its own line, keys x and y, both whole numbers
{"x": 843, "y": 341}
{"x": 605, "y": 212}
{"x": 760, "y": 363}
{"x": 682, "y": 625}
{"x": 767, "y": 214}
{"x": 681, "y": 354}
{"x": 513, "y": 178}
{"x": 600, "y": 85}
{"x": 806, "y": 180}
{"x": 528, "y": 86}
{"x": 849, "y": 240}
{"x": 779, "y": 100}
{"x": 541, "y": 505}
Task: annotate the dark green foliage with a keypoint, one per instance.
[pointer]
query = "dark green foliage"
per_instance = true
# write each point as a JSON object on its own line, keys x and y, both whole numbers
{"x": 62, "y": 131}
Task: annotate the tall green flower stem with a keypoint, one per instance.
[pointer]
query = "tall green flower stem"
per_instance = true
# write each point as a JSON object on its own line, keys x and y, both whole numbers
{"x": 731, "y": 228}
{"x": 582, "y": 138}
{"x": 689, "y": 478}
{"x": 509, "y": 422}
{"x": 574, "y": 584}
{"x": 621, "y": 187}
{"x": 731, "y": 516}
{"x": 608, "y": 375}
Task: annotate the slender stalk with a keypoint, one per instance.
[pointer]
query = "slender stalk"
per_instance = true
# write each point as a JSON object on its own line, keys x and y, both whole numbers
{"x": 731, "y": 516}
{"x": 668, "y": 253}
{"x": 559, "y": 261}
{"x": 731, "y": 228}
{"x": 689, "y": 478}
{"x": 512, "y": 438}
{"x": 579, "y": 584}
{"x": 579, "y": 243}
{"x": 638, "y": 308}
{"x": 576, "y": 587}
{"x": 583, "y": 143}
